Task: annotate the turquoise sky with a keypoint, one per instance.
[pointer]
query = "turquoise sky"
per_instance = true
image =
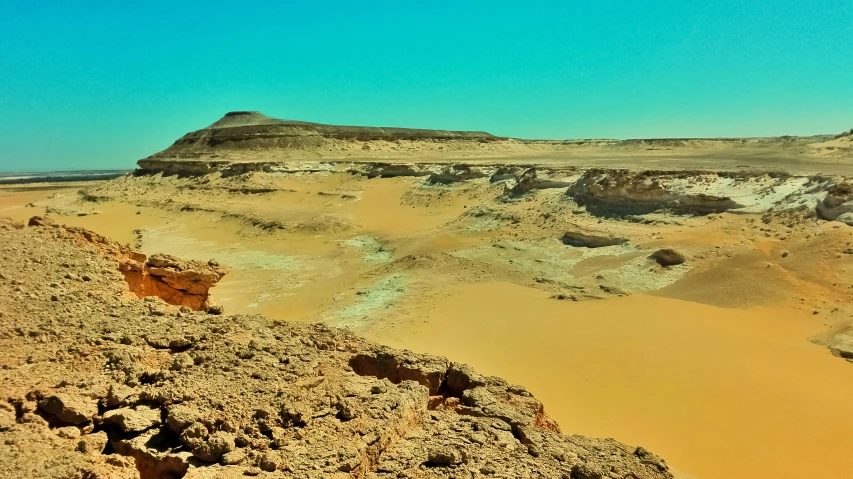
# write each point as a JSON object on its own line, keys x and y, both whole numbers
{"x": 101, "y": 84}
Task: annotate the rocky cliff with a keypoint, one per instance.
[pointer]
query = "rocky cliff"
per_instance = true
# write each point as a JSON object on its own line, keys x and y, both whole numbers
{"x": 98, "y": 383}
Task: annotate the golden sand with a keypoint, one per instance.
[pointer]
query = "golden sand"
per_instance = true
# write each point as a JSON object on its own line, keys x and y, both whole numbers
{"x": 720, "y": 393}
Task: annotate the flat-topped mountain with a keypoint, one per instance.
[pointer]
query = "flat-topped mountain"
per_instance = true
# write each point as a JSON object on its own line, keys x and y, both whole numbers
{"x": 252, "y": 130}
{"x": 253, "y": 122}
{"x": 250, "y": 137}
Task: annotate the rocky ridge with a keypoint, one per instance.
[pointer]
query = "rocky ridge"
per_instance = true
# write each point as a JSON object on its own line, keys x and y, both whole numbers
{"x": 98, "y": 383}
{"x": 604, "y": 192}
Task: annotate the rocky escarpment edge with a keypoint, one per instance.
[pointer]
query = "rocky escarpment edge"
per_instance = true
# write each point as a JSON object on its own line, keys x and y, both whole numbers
{"x": 601, "y": 192}
{"x": 99, "y": 383}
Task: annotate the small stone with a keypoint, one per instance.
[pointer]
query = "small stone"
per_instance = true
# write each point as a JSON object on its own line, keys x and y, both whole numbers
{"x": 181, "y": 362}
{"x": 232, "y": 458}
{"x": 215, "y": 447}
{"x": 296, "y": 414}
{"x": 346, "y": 410}
{"x": 117, "y": 394}
{"x": 180, "y": 416}
{"x": 93, "y": 443}
{"x": 252, "y": 471}
{"x": 444, "y": 456}
{"x": 194, "y": 435}
{"x": 268, "y": 462}
{"x": 69, "y": 409}
{"x": 133, "y": 420}
{"x": 586, "y": 471}
{"x": 179, "y": 342}
{"x": 30, "y": 418}
{"x": 120, "y": 461}
{"x": 649, "y": 458}
{"x": 67, "y": 432}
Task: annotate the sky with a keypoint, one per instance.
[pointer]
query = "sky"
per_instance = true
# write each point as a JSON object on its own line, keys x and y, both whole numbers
{"x": 101, "y": 84}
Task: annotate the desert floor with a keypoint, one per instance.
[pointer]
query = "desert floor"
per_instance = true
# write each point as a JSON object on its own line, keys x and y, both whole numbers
{"x": 716, "y": 365}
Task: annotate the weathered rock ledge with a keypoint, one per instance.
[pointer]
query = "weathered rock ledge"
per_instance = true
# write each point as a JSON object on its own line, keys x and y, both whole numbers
{"x": 98, "y": 383}
{"x": 603, "y": 192}
{"x": 175, "y": 281}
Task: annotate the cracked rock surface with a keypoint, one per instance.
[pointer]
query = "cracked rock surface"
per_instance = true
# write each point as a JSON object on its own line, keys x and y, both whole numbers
{"x": 99, "y": 383}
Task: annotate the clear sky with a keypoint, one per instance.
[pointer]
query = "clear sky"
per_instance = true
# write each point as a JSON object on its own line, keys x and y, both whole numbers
{"x": 100, "y": 84}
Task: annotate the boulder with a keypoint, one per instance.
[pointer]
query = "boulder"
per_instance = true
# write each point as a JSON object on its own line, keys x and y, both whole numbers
{"x": 667, "y": 257}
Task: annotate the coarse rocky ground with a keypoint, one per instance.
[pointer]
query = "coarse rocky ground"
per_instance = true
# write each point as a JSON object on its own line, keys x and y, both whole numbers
{"x": 99, "y": 383}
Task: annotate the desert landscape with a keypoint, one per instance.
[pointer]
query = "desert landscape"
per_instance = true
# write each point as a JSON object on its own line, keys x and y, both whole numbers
{"x": 288, "y": 299}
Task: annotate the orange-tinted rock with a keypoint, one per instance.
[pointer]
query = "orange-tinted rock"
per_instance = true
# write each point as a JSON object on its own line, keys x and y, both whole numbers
{"x": 175, "y": 281}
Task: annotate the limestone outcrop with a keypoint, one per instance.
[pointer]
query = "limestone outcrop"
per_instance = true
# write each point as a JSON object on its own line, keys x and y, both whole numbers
{"x": 528, "y": 180}
{"x": 838, "y": 203}
{"x": 623, "y": 192}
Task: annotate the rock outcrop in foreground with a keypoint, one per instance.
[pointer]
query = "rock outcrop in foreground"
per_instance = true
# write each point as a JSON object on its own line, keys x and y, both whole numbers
{"x": 98, "y": 383}
{"x": 175, "y": 281}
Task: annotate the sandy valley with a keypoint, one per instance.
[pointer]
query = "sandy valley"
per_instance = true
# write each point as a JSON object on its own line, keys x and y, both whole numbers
{"x": 693, "y": 297}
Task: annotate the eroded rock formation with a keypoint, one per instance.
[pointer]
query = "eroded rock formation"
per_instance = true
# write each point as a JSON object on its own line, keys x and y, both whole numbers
{"x": 175, "y": 281}
{"x": 98, "y": 384}
{"x": 586, "y": 240}
{"x": 623, "y": 192}
{"x": 528, "y": 180}
{"x": 838, "y": 203}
